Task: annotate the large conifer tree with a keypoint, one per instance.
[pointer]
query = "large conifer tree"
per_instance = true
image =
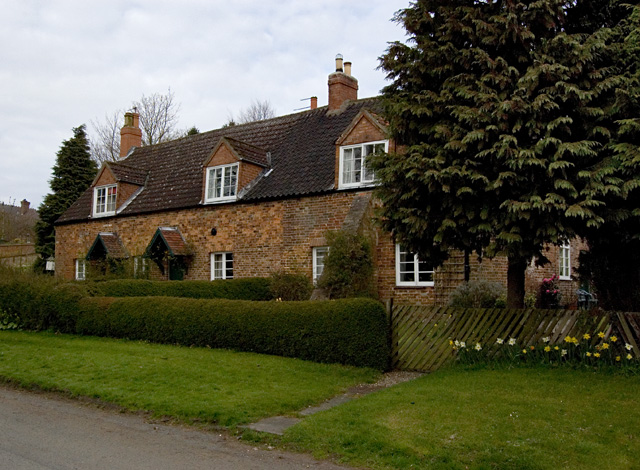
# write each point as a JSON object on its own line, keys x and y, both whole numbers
{"x": 502, "y": 107}
{"x": 73, "y": 172}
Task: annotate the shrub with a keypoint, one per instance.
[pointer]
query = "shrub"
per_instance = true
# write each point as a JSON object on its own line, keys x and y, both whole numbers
{"x": 478, "y": 294}
{"x": 348, "y": 268}
{"x": 549, "y": 296}
{"x": 350, "y": 331}
{"x": 237, "y": 289}
{"x": 287, "y": 286}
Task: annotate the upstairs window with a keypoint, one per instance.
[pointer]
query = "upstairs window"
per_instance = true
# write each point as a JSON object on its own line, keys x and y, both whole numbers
{"x": 354, "y": 165}
{"x": 565, "y": 261}
{"x": 410, "y": 271}
{"x": 222, "y": 183}
{"x": 104, "y": 200}
{"x": 221, "y": 266}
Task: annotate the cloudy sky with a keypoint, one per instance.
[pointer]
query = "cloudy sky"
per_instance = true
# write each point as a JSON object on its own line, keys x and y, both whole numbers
{"x": 64, "y": 63}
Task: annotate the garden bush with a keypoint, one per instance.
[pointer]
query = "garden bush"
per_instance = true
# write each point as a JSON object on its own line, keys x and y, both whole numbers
{"x": 235, "y": 289}
{"x": 288, "y": 286}
{"x": 350, "y": 331}
{"x": 478, "y": 294}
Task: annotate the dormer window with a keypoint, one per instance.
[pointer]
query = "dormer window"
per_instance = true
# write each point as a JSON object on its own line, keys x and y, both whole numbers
{"x": 354, "y": 168}
{"x": 104, "y": 200}
{"x": 222, "y": 183}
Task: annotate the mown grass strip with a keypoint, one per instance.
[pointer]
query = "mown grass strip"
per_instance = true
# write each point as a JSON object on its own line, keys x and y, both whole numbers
{"x": 191, "y": 384}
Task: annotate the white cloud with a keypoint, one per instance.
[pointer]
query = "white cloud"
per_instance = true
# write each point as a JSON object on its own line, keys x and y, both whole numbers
{"x": 67, "y": 62}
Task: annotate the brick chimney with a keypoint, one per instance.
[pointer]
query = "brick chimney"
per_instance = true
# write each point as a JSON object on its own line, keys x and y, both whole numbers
{"x": 314, "y": 102}
{"x": 24, "y": 206}
{"x": 342, "y": 86}
{"x": 130, "y": 134}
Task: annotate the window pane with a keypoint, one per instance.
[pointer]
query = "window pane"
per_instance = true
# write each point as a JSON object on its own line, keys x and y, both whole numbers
{"x": 347, "y": 166}
{"x": 357, "y": 164}
{"x": 229, "y": 266}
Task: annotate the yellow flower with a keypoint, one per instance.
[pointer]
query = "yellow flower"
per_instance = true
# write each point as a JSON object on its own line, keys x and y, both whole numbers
{"x": 556, "y": 348}
{"x": 601, "y": 334}
{"x": 586, "y": 336}
{"x": 617, "y": 358}
{"x": 605, "y": 345}
{"x": 588, "y": 354}
{"x": 568, "y": 339}
{"x": 574, "y": 341}
{"x": 547, "y": 349}
{"x": 596, "y": 355}
{"x": 614, "y": 339}
{"x": 450, "y": 342}
{"x": 629, "y": 356}
{"x": 524, "y": 351}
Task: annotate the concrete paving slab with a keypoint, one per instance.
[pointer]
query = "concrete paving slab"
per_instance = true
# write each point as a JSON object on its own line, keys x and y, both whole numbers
{"x": 274, "y": 425}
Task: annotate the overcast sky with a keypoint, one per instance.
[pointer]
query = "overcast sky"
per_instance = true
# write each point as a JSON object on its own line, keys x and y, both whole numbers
{"x": 64, "y": 63}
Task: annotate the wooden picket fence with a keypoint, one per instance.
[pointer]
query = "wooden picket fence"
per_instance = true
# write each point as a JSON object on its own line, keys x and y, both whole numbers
{"x": 421, "y": 336}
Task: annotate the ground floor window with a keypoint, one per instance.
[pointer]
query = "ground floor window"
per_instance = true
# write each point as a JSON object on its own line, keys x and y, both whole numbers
{"x": 141, "y": 267}
{"x": 81, "y": 269}
{"x": 319, "y": 255}
{"x": 221, "y": 266}
{"x": 410, "y": 271}
{"x": 565, "y": 261}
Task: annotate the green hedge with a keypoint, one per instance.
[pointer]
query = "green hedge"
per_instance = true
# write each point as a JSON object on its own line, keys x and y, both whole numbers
{"x": 236, "y": 289}
{"x": 352, "y": 331}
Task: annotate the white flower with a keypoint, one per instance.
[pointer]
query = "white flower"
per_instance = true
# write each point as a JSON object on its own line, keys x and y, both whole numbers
{"x": 478, "y": 347}
{"x": 546, "y": 339}
{"x": 564, "y": 352}
{"x": 457, "y": 343}
{"x": 628, "y": 347}
{"x": 499, "y": 341}
{"x": 463, "y": 344}
{"x": 512, "y": 341}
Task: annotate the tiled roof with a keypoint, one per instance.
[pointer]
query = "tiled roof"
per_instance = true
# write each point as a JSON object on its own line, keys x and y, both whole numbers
{"x": 107, "y": 244}
{"x": 127, "y": 174}
{"x": 301, "y": 147}
{"x": 173, "y": 241}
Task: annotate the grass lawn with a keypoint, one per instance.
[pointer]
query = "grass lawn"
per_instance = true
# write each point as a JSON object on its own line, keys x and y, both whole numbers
{"x": 485, "y": 419}
{"x": 192, "y": 384}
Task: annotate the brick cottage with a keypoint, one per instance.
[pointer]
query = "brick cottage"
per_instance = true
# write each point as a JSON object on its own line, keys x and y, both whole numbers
{"x": 249, "y": 200}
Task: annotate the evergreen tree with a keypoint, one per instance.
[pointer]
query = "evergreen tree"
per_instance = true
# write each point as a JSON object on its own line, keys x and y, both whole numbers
{"x": 72, "y": 174}
{"x": 501, "y": 110}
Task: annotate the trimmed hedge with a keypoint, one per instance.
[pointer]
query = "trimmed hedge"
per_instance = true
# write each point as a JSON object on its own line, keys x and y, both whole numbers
{"x": 235, "y": 289}
{"x": 352, "y": 331}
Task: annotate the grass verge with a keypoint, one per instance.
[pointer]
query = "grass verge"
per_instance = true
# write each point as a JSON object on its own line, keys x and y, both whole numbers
{"x": 482, "y": 419}
{"x": 191, "y": 384}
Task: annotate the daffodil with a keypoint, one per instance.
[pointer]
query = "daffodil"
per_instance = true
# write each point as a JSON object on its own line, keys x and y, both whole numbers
{"x": 601, "y": 334}
{"x": 450, "y": 342}
{"x": 563, "y": 352}
{"x": 629, "y": 356}
{"x": 628, "y": 347}
{"x": 613, "y": 339}
{"x": 586, "y": 336}
{"x": 533, "y": 348}
{"x": 568, "y": 339}
{"x": 524, "y": 351}
{"x": 547, "y": 348}
{"x": 556, "y": 348}
{"x": 588, "y": 354}
{"x": 499, "y": 341}
{"x": 512, "y": 341}
{"x": 478, "y": 347}
{"x": 463, "y": 344}
{"x": 596, "y": 355}
{"x": 574, "y": 341}
{"x": 546, "y": 339}
{"x": 605, "y": 345}
{"x": 617, "y": 358}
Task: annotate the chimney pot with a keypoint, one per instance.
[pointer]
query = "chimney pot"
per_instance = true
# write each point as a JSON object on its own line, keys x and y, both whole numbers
{"x": 24, "y": 206}
{"x": 347, "y": 68}
{"x": 314, "y": 102}
{"x": 339, "y": 63}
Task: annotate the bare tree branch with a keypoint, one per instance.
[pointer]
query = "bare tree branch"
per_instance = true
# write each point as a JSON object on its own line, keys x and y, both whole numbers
{"x": 158, "y": 117}
{"x": 257, "y": 111}
{"x": 105, "y": 143}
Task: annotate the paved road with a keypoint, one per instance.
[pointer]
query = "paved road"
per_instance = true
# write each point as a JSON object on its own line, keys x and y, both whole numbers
{"x": 45, "y": 432}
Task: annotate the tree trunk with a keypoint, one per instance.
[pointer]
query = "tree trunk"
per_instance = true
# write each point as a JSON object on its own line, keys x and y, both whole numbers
{"x": 515, "y": 283}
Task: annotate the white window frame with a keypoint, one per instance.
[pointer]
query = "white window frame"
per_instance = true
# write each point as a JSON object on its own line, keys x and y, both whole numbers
{"x": 364, "y": 148}
{"x": 225, "y": 172}
{"x": 110, "y": 200}
{"x": 219, "y": 265}
{"x": 81, "y": 269}
{"x": 564, "y": 255}
{"x": 140, "y": 267}
{"x": 416, "y": 270}
{"x": 319, "y": 255}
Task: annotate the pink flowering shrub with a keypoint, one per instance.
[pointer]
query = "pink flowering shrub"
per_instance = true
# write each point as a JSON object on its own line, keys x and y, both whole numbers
{"x": 549, "y": 295}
